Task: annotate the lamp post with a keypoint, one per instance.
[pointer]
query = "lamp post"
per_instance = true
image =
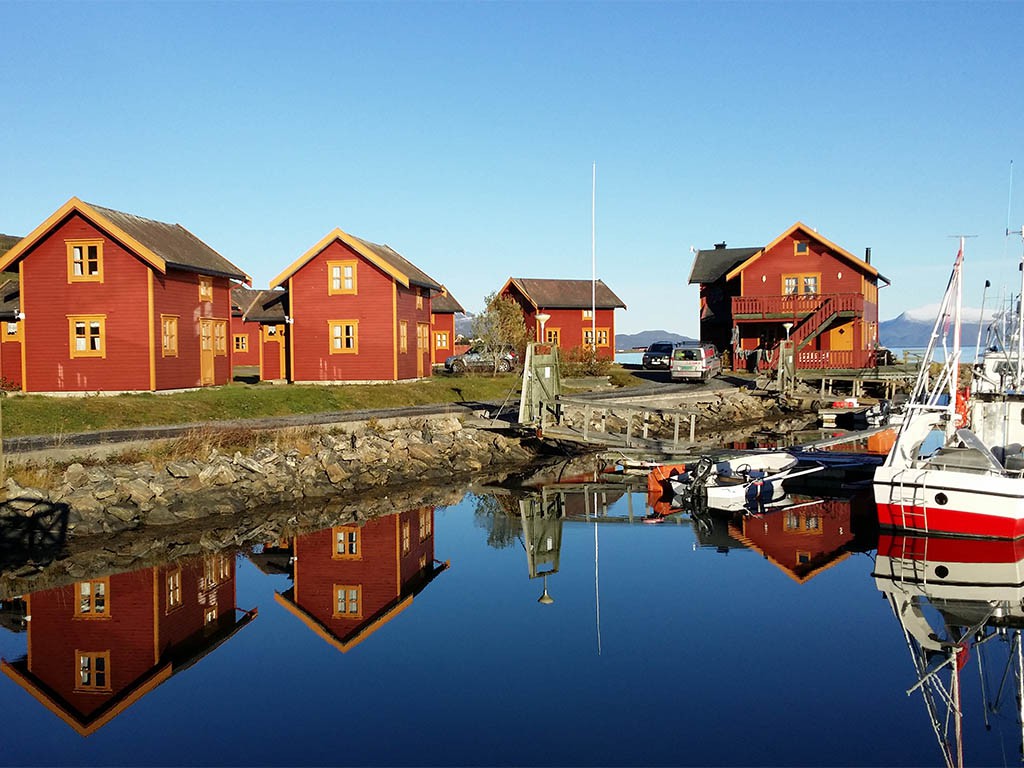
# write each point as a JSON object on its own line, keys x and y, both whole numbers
{"x": 787, "y": 326}
{"x": 542, "y": 318}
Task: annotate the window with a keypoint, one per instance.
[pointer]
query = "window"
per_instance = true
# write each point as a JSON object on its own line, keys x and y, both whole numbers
{"x": 602, "y": 337}
{"x": 348, "y": 601}
{"x": 552, "y": 335}
{"x": 216, "y": 570}
{"x": 426, "y": 525}
{"x": 92, "y": 602}
{"x": 347, "y": 543}
{"x": 406, "y": 541}
{"x": 344, "y": 336}
{"x": 169, "y": 332}
{"x": 419, "y": 298}
{"x": 341, "y": 277}
{"x": 271, "y": 330}
{"x": 441, "y": 340}
{"x": 85, "y": 261}
{"x": 241, "y": 342}
{"x": 205, "y": 288}
{"x": 220, "y": 337}
{"x": 93, "y": 671}
{"x": 403, "y": 336}
{"x": 12, "y": 332}
{"x": 588, "y": 314}
{"x": 87, "y": 334}
{"x": 793, "y": 285}
{"x": 210, "y": 616}
{"x": 801, "y": 247}
{"x": 174, "y": 590}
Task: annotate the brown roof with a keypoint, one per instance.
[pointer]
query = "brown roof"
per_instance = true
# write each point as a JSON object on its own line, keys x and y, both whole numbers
{"x": 444, "y": 304}
{"x": 260, "y": 306}
{"x": 711, "y": 264}
{"x": 415, "y": 274}
{"x": 173, "y": 243}
{"x": 566, "y": 294}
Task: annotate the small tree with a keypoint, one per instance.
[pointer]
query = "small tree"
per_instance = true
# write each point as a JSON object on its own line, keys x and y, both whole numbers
{"x": 500, "y": 325}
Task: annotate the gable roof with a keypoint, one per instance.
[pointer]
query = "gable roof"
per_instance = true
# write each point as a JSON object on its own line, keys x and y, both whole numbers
{"x": 260, "y": 306}
{"x": 384, "y": 257}
{"x": 444, "y": 303}
{"x": 839, "y": 251}
{"x": 159, "y": 244}
{"x": 565, "y": 294}
{"x": 710, "y": 265}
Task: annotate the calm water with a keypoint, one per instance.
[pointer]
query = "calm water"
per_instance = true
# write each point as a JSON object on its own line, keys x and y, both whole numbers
{"x": 763, "y": 641}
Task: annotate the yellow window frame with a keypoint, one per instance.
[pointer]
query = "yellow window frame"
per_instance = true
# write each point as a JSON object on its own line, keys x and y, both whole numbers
{"x": 343, "y": 599}
{"x": 205, "y": 288}
{"x": 240, "y": 341}
{"x": 799, "y": 277}
{"x": 8, "y": 335}
{"x": 552, "y": 336}
{"x": 86, "y": 603}
{"x": 93, "y": 670}
{"x": 403, "y": 335}
{"x": 337, "y": 332}
{"x": 82, "y": 246}
{"x": 340, "y": 283}
{"x": 220, "y": 338}
{"x": 441, "y": 340}
{"x": 346, "y": 538}
{"x": 88, "y": 334}
{"x": 604, "y": 333}
{"x": 172, "y": 593}
{"x": 168, "y": 335}
{"x": 806, "y": 247}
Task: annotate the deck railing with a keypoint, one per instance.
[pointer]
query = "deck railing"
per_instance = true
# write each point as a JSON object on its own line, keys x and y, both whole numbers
{"x": 793, "y": 306}
{"x": 824, "y": 359}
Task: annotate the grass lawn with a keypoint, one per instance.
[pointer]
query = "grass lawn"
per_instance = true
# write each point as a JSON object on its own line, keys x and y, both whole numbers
{"x": 37, "y": 415}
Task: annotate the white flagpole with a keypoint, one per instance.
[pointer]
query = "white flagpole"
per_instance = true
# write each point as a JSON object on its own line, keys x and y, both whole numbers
{"x": 593, "y": 265}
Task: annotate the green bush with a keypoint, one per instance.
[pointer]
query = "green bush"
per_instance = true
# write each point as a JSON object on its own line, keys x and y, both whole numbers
{"x": 579, "y": 361}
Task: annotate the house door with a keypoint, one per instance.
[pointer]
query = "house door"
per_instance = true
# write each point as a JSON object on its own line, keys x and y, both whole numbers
{"x": 206, "y": 352}
{"x": 422, "y": 348}
{"x": 841, "y": 338}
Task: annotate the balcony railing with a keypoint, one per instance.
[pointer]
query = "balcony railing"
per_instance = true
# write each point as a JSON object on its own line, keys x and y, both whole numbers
{"x": 792, "y": 307}
{"x": 824, "y": 359}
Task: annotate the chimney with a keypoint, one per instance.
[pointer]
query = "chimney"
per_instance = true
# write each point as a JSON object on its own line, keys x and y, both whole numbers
{"x": 720, "y": 246}
{"x": 867, "y": 255}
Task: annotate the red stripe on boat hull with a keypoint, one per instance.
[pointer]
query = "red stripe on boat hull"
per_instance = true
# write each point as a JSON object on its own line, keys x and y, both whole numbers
{"x": 949, "y": 521}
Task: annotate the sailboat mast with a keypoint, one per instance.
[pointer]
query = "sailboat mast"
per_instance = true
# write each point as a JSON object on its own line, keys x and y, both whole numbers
{"x": 1019, "y": 373}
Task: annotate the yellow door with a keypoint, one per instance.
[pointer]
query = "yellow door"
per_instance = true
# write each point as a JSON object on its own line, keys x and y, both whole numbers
{"x": 841, "y": 338}
{"x": 205, "y": 352}
{"x": 422, "y": 347}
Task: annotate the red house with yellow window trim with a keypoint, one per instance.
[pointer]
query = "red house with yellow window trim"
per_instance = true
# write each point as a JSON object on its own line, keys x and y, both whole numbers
{"x": 443, "y": 308}
{"x": 349, "y": 581}
{"x": 574, "y": 310}
{"x": 259, "y": 322}
{"x": 359, "y": 312}
{"x": 112, "y": 302}
{"x": 800, "y": 285}
{"x": 96, "y": 647}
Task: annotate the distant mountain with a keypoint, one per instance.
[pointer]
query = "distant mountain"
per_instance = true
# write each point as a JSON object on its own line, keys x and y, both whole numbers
{"x": 914, "y": 327}
{"x": 626, "y": 341}
{"x": 464, "y": 324}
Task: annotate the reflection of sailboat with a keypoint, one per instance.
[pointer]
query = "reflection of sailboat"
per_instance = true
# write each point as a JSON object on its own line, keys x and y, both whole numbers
{"x": 955, "y": 599}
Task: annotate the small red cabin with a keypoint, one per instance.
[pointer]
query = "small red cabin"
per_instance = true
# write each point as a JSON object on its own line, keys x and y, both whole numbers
{"x": 259, "y": 323}
{"x": 112, "y": 302}
{"x": 574, "y": 312}
{"x": 359, "y": 312}
{"x": 443, "y": 308}
{"x": 800, "y": 286}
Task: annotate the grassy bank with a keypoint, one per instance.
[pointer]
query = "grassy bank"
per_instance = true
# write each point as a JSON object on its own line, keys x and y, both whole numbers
{"x": 36, "y": 415}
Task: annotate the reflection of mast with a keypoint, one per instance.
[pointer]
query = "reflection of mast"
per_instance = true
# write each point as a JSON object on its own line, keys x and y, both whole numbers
{"x": 597, "y": 585}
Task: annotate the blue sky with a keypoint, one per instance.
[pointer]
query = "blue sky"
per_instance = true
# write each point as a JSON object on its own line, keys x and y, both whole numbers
{"x": 463, "y": 134}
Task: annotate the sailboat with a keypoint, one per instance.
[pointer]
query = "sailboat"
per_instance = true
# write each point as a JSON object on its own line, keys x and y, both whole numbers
{"x": 956, "y": 466}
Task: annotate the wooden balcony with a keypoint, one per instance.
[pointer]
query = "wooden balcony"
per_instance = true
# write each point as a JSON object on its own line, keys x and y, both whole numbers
{"x": 826, "y": 359}
{"x": 793, "y": 307}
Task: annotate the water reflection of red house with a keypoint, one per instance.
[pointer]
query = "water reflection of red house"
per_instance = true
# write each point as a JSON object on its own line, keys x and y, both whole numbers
{"x": 803, "y": 539}
{"x": 96, "y": 647}
{"x": 349, "y": 581}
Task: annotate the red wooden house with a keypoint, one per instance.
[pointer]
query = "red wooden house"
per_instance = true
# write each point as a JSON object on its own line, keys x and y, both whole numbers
{"x": 96, "y": 647}
{"x": 443, "y": 307}
{"x": 359, "y": 311}
{"x": 259, "y": 323}
{"x": 349, "y": 581}
{"x": 801, "y": 541}
{"x": 800, "y": 284}
{"x": 108, "y": 301}
{"x": 577, "y": 310}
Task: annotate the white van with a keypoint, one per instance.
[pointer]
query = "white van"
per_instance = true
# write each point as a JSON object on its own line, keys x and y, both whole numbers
{"x": 695, "y": 361}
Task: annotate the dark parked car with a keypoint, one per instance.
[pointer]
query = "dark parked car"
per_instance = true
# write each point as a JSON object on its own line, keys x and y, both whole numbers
{"x": 658, "y": 355}
{"x": 482, "y": 359}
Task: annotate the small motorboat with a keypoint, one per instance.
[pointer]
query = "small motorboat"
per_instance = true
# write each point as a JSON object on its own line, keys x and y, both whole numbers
{"x": 741, "y": 482}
